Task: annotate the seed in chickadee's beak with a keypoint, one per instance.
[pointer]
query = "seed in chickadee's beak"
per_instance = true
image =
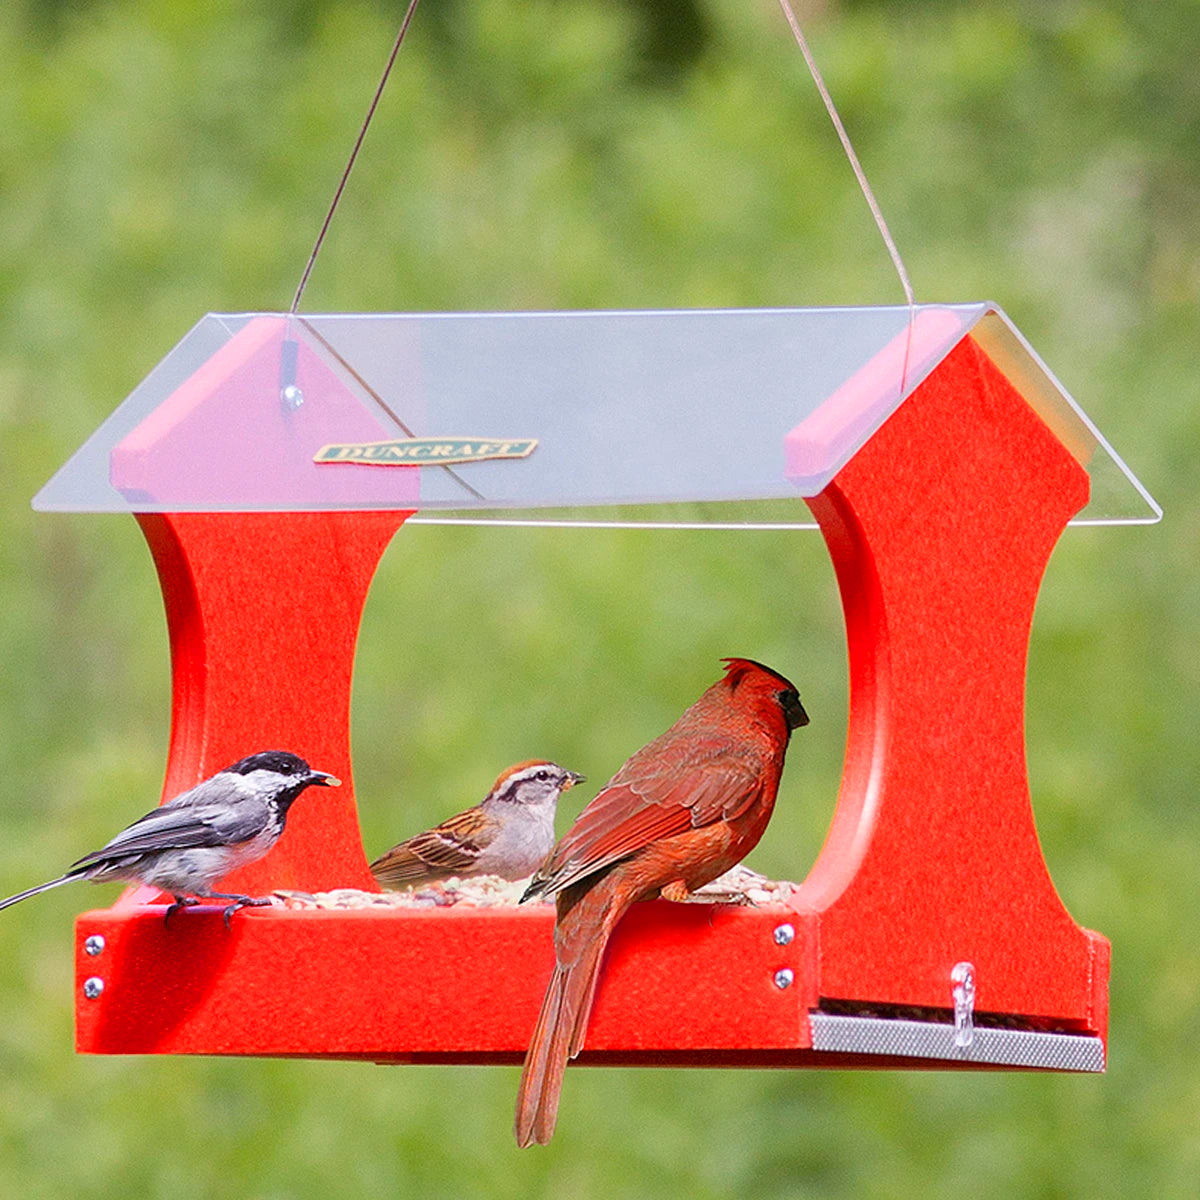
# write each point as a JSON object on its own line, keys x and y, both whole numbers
{"x": 324, "y": 779}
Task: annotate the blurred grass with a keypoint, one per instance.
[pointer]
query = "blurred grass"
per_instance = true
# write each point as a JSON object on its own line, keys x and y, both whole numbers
{"x": 160, "y": 159}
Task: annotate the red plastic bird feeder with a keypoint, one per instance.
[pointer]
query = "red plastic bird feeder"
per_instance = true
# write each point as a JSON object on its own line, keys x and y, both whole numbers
{"x": 270, "y": 460}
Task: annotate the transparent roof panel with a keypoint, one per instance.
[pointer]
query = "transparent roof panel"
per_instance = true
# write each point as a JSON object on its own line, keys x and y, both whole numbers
{"x": 677, "y": 417}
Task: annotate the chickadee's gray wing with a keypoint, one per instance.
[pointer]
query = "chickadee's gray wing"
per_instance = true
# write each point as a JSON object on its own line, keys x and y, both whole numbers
{"x": 171, "y": 827}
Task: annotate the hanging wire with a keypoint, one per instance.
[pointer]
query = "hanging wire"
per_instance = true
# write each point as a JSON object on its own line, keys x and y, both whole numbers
{"x": 861, "y": 176}
{"x": 830, "y": 108}
{"x": 362, "y": 133}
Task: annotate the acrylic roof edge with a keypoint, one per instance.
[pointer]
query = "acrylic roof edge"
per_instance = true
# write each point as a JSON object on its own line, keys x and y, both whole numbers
{"x": 1007, "y": 346}
{"x": 587, "y": 523}
{"x": 595, "y": 313}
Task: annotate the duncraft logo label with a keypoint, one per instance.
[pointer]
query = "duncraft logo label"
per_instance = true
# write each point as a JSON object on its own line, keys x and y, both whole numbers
{"x": 426, "y": 452}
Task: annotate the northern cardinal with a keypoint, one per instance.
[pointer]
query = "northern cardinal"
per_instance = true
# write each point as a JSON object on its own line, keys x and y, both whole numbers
{"x": 187, "y": 844}
{"x": 508, "y": 833}
{"x": 683, "y": 810}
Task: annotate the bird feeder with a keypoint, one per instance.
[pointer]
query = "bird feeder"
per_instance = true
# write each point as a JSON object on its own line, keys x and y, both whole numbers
{"x": 270, "y": 459}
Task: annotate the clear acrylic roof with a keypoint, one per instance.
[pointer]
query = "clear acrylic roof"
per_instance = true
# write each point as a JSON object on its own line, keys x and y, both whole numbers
{"x": 674, "y": 417}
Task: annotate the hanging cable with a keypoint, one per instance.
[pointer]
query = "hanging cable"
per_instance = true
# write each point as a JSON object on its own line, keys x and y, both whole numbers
{"x": 861, "y": 176}
{"x": 362, "y": 133}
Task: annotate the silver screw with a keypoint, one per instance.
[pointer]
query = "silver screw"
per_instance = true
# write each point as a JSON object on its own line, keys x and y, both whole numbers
{"x": 291, "y": 397}
{"x": 94, "y": 944}
{"x": 784, "y": 935}
{"x": 784, "y": 977}
{"x": 93, "y": 986}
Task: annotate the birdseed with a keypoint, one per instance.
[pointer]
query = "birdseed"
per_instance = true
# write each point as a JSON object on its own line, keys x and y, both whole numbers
{"x": 490, "y": 891}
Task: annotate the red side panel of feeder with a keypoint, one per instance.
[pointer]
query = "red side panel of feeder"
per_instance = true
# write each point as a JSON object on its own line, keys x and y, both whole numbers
{"x": 263, "y": 612}
{"x": 940, "y": 528}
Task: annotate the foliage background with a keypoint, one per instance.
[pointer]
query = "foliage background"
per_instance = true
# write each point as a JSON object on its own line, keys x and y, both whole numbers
{"x": 162, "y": 158}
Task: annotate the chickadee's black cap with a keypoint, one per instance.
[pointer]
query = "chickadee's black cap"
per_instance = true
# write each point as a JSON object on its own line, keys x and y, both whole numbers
{"x": 279, "y": 761}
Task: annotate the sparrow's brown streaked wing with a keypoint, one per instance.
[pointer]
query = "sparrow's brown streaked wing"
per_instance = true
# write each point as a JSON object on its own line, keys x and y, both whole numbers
{"x": 451, "y": 848}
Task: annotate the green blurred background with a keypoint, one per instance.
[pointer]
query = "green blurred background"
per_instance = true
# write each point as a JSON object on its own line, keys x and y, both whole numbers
{"x": 163, "y": 158}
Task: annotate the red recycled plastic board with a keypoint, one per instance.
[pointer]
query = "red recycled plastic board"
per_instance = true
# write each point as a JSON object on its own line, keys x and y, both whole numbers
{"x": 940, "y": 528}
{"x": 444, "y": 984}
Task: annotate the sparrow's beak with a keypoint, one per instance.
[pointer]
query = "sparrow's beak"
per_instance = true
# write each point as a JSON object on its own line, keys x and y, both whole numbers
{"x": 324, "y": 779}
{"x": 573, "y": 777}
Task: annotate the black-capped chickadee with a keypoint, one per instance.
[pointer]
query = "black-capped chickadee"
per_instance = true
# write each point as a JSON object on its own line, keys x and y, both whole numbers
{"x": 184, "y": 846}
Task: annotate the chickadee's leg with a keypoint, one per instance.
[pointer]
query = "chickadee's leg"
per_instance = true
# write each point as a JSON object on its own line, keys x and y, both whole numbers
{"x": 180, "y": 902}
{"x": 239, "y": 902}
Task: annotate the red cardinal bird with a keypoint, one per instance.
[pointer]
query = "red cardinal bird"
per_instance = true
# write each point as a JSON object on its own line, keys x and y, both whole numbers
{"x": 680, "y": 812}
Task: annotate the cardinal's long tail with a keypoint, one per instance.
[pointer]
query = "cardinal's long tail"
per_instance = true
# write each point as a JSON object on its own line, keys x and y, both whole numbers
{"x": 41, "y": 887}
{"x": 580, "y": 940}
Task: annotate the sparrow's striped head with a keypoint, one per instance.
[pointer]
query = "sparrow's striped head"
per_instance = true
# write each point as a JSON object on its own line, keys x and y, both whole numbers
{"x": 536, "y": 781}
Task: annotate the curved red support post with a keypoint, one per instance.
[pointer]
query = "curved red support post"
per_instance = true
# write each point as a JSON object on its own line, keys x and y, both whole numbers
{"x": 940, "y": 529}
{"x": 263, "y": 612}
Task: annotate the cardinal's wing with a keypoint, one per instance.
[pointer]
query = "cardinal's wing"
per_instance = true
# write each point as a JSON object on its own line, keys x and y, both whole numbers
{"x": 678, "y": 787}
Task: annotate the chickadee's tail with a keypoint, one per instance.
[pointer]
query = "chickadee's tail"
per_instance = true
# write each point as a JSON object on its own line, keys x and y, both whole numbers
{"x": 41, "y": 887}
